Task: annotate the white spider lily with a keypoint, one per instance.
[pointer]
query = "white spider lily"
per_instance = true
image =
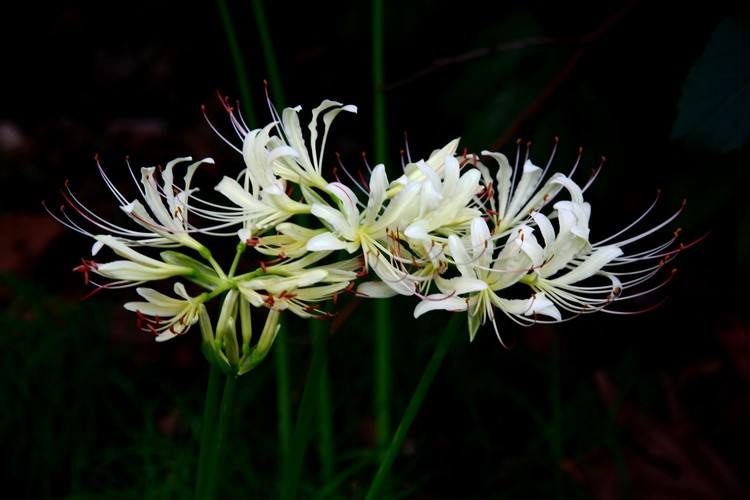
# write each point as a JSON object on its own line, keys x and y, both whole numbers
{"x": 163, "y": 218}
{"x": 351, "y": 229}
{"x": 136, "y": 269}
{"x": 306, "y": 169}
{"x": 294, "y": 293}
{"x": 515, "y": 201}
{"x": 571, "y": 263}
{"x": 445, "y": 200}
{"x": 164, "y": 316}
{"x": 303, "y": 167}
{"x": 261, "y": 201}
{"x": 483, "y": 275}
{"x": 414, "y": 173}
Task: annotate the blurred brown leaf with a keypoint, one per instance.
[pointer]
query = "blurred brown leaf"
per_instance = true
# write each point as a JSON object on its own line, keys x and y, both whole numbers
{"x": 663, "y": 460}
{"x": 26, "y": 236}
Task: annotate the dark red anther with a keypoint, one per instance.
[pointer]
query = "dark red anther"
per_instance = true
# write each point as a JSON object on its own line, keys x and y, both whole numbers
{"x": 85, "y": 267}
{"x": 269, "y": 301}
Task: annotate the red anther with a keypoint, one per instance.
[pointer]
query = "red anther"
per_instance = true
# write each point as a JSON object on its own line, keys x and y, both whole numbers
{"x": 203, "y": 108}
{"x": 604, "y": 158}
{"x": 338, "y": 155}
{"x": 556, "y": 140}
{"x": 528, "y": 145}
{"x": 253, "y": 241}
{"x": 580, "y": 150}
{"x": 85, "y": 267}
{"x": 265, "y": 83}
{"x": 519, "y": 141}
{"x": 269, "y": 301}
{"x": 684, "y": 203}
{"x": 364, "y": 181}
{"x": 140, "y": 319}
{"x": 96, "y": 157}
{"x": 677, "y": 232}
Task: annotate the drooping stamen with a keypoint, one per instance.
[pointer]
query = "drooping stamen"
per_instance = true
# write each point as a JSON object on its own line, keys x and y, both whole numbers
{"x": 216, "y": 131}
{"x": 406, "y": 146}
{"x": 594, "y": 174}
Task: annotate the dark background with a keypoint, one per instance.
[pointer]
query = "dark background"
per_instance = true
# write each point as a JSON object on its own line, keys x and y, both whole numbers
{"x": 651, "y": 406}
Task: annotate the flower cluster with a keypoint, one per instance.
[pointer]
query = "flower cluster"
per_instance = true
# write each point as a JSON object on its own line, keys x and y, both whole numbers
{"x": 458, "y": 231}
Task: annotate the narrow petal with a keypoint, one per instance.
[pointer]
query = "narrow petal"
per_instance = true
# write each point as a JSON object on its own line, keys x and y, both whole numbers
{"x": 433, "y": 302}
{"x": 376, "y": 290}
{"x": 589, "y": 267}
{"x": 325, "y": 241}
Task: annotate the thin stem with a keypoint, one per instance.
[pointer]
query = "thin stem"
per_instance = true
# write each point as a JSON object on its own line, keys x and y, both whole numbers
{"x": 414, "y": 404}
{"x": 325, "y": 415}
{"x": 207, "y": 429}
{"x": 283, "y": 401}
{"x": 239, "y": 63}
{"x": 240, "y": 250}
{"x": 556, "y": 410}
{"x": 269, "y": 54}
{"x": 382, "y": 307}
{"x": 303, "y": 427}
{"x": 225, "y": 414}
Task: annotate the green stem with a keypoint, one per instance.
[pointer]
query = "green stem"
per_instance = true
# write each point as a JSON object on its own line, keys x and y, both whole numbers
{"x": 382, "y": 307}
{"x": 269, "y": 55}
{"x": 556, "y": 410}
{"x": 303, "y": 427}
{"x": 239, "y": 63}
{"x": 225, "y": 414}
{"x": 241, "y": 247}
{"x": 382, "y": 371}
{"x": 325, "y": 415}
{"x": 283, "y": 401}
{"x": 411, "y": 410}
{"x": 207, "y": 430}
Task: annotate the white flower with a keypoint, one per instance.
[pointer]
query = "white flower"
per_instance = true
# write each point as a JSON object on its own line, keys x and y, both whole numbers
{"x": 163, "y": 316}
{"x": 483, "y": 275}
{"x": 136, "y": 269}
{"x": 163, "y": 218}
{"x": 515, "y": 201}
{"x": 297, "y": 163}
{"x": 571, "y": 265}
{"x": 259, "y": 196}
{"x": 294, "y": 293}
{"x": 350, "y": 229}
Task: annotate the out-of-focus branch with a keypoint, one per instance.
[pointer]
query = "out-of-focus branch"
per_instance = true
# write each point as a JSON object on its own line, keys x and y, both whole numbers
{"x": 559, "y": 78}
{"x": 523, "y": 43}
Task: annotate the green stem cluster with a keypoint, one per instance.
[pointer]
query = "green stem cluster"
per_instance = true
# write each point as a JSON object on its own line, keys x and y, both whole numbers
{"x": 214, "y": 426}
